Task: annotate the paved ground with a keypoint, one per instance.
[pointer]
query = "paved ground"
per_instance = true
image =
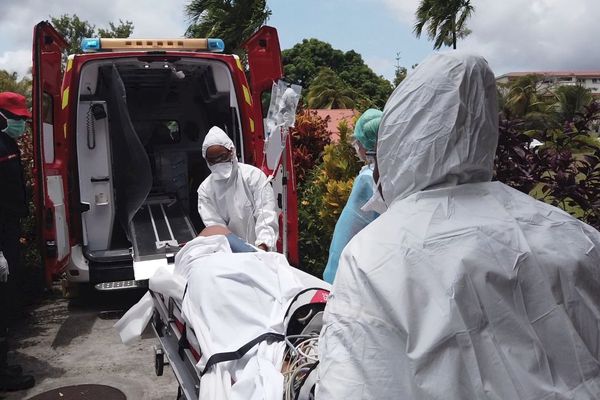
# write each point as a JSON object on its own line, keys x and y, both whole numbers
{"x": 69, "y": 342}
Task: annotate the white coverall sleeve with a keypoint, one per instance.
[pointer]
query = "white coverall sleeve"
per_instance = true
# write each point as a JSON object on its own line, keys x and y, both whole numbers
{"x": 207, "y": 210}
{"x": 265, "y": 211}
{"x": 353, "y": 364}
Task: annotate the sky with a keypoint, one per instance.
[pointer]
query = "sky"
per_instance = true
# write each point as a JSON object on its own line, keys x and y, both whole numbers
{"x": 513, "y": 35}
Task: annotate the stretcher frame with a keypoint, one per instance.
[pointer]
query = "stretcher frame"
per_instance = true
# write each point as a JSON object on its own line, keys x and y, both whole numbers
{"x": 175, "y": 344}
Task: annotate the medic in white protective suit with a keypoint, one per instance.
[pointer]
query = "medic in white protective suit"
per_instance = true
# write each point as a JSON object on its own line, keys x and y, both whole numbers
{"x": 464, "y": 288}
{"x": 236, "y": 195}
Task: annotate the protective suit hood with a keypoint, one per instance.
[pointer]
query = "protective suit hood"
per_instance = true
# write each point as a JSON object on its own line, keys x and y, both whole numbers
{"x": 216, "y": 137}
{"x": 439, "y": 127}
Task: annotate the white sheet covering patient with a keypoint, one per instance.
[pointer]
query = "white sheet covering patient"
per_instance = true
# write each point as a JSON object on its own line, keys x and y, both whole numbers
{"x": 230, "y": 300}
{"x": 464, "y": 288}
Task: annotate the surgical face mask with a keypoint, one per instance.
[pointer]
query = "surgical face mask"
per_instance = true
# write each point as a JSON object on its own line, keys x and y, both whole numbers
{"x": 15, "y": 128}
{"x": 360, "y": 153}
{"x": 221, "y": 171}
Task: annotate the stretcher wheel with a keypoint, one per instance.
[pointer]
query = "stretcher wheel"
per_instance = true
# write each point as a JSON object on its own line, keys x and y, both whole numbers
{"x": 159, "y": 362}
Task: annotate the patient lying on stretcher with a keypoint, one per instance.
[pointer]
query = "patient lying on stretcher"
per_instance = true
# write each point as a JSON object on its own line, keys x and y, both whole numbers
{"x": 232, "y": 301}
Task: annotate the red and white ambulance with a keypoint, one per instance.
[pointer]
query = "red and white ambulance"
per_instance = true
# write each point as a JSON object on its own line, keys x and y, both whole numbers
{"x": 117, "y": 140}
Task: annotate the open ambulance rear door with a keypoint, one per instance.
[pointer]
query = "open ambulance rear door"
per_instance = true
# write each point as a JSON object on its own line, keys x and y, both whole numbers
{"x": 50, "y": 148}
{"x": 264, "y": 60}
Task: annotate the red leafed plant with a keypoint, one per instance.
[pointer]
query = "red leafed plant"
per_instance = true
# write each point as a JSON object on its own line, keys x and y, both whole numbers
{"x": 562, "y": 165}
{"x": 309, "y": 138}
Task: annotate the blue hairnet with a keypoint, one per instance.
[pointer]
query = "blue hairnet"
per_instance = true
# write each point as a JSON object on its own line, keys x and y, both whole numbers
{"x": 366, "y": 128}
{"x": 352, "y": 220}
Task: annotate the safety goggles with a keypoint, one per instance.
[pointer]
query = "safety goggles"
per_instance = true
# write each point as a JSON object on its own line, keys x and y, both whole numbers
{"x": 220, "y": 158}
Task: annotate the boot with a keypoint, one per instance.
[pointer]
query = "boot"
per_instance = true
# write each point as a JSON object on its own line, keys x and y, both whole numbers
{"x": 15, "y": 382}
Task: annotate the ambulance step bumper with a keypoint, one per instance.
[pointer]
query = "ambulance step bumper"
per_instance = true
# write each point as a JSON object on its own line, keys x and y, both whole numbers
{"x": 121, "y": 285}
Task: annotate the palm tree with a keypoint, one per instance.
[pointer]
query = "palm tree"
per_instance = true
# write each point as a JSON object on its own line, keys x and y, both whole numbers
{"x": 571, "y": 100}
{"x": 523, "y": 95}
{"x": 445, "y": 20}
{"x": 328, "y": 91}
{"x": 234, "y": 21}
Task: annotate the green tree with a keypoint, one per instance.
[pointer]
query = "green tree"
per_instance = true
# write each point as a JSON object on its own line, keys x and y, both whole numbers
{"x": 400, "y": 71}
{"x": 303, "y": 62}
{"x": 10, "y": 82}
{"x": 443, "y": 20}
{"x": 233, "y": 21}
{"x": 123, "y": 30}
{"x": 571, "y": 100}
{"x": 329, "y": 91}
{"x": 75, "y": 29}
{"x": 524, "y": 96}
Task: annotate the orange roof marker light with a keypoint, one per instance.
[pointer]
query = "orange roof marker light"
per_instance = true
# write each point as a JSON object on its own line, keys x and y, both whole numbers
{"x": 92, "y": 45}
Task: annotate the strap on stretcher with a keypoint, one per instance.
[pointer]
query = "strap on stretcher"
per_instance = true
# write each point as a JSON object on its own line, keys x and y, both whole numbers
{"x": 236, "y": 355}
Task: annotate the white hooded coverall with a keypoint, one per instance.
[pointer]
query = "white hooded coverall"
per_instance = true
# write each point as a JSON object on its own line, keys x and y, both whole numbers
{"x": 244, "y": 202}
{"x": 464, "y": 288}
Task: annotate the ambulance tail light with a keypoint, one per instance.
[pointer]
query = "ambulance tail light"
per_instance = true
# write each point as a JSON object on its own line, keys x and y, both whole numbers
{"x": 90, "y": 45}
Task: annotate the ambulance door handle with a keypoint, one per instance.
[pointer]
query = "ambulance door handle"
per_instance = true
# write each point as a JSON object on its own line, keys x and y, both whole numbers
{"x": 84, "y": 207}
{"x": 99, "y": 179}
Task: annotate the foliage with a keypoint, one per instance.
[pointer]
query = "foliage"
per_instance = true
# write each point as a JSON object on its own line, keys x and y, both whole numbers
{"x": 572, "y": 100}
{"x": 233, "y": 21}
{"x": 75, "y": 29}
{"x": 309, "y": 138}
{"x": 322, "y": 199}
{"x": 541, "y": 105}
{"x": 329, "y": 91}
{"x": 444, "y": 20}
{"x": 399, "y": 75}
{"x": 303, "y": 62}
{"x": 524, "y": 97}
{"x": 563, "y": 171}
{"x": 10, "y": 82}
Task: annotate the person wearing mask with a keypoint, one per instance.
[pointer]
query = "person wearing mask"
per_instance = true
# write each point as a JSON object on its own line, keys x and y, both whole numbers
{"x": 464, "y": 288}
{"x": 353, "y": 217}
{"x": 13, "y": 207}
{"x": 236, "y": 195}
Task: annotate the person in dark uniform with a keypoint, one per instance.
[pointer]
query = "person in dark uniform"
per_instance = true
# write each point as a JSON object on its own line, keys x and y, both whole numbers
{"x": 13, "y": 207}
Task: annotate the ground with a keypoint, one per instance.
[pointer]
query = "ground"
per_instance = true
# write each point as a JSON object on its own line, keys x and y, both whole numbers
{"x": 69, "y": 342}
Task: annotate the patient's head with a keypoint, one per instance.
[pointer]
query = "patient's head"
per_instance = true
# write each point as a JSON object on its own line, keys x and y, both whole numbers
{"x": 214, "y": 230}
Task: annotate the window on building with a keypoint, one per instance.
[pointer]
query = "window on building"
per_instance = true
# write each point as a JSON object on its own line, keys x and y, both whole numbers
{"x": 580, "y": 80}
{"x": 595, "y": 80}
{"x": 565, "y": 79}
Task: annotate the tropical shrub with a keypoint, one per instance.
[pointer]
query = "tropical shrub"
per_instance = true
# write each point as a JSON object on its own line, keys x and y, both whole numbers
{"x": 309, "y": 138}
{"x": 323, "y": 197}
{"x": 558, "y": 165}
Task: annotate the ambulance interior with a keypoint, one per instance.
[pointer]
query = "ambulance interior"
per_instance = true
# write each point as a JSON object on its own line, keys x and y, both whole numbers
{"x": 140, "y": 128}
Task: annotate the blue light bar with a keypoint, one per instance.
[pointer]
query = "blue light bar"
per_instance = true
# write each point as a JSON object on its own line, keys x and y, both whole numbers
{"x": 216, "y": 45}
{"x": 89, "y": 45}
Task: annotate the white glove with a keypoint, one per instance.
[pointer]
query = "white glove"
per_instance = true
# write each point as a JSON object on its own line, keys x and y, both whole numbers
{"x": 3, "y": 268}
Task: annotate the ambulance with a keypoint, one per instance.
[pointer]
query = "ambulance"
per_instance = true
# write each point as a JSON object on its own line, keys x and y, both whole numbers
{"x": 118, "y": 134}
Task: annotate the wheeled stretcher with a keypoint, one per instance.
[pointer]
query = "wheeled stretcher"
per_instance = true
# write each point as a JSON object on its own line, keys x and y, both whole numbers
{"x": 231, "y": 324}
{"x": 180, "y": 349}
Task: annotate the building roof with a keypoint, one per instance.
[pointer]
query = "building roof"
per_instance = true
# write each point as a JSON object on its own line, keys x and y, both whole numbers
{"x": 335, "y": 117}
{"x": 587, "y": 74}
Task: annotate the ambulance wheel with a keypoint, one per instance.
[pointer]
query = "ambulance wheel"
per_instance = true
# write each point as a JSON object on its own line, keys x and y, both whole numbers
{"x": 159, "y": 363}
